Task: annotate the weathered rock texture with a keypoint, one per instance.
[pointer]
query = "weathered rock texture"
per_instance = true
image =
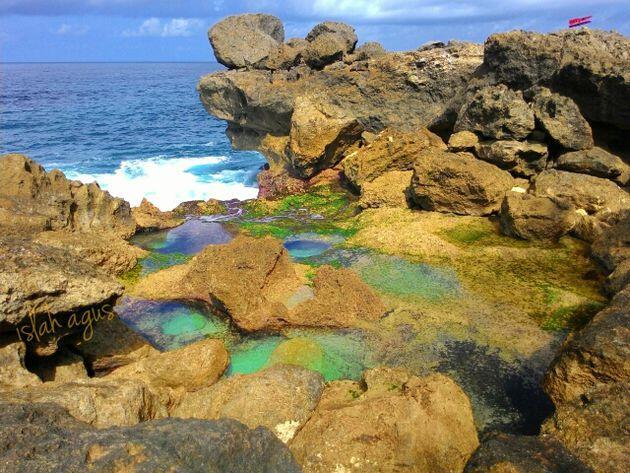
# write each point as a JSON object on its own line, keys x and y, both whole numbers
{"x": 596, "y": 162}
{"x": 40, "y": 438}
{"x": 149, "y": 218}
{"x": 253, "y": 281}
{"x": 400, "y": 423}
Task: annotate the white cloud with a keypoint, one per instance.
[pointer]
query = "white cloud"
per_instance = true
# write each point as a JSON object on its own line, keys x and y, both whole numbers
{"x": 172, "y": 28}
{"x": 71, "y": 30}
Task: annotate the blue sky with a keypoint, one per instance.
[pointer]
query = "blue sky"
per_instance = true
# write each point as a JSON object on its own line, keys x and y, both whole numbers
{"x": 175, "y": 30}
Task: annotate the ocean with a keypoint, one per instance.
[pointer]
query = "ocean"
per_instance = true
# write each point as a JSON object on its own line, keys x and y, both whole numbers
{"x": 138, "y": 129}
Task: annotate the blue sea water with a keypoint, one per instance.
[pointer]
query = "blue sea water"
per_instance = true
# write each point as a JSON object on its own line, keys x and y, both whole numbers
{"x": 138, "y": 129}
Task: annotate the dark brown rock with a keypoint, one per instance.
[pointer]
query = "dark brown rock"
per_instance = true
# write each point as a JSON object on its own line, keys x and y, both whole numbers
{"x": 521, "y": 158}
{"x": 596, "y": 162}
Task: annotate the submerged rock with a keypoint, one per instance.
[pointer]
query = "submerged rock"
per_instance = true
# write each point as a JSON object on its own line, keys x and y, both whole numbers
{"x": 400, "y": 422}
{"x": 458, "y": 183}
{"x": 43, "y": 437}
{"x": 246, "y": 40}
{"x": 280, "y": 398}
{"x": 505, "y": 453}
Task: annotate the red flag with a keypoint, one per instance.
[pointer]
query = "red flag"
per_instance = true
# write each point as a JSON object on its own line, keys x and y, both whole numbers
{"x": 573, "y": 22}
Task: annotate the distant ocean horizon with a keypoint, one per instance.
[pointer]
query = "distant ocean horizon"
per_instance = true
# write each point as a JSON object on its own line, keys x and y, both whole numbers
{"x": 137, "y": 128}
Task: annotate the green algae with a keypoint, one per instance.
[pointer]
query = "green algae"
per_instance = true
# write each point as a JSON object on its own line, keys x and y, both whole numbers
{"x": 573, "y": 317}
{"x": 158, "y": 261}
{"x": 480, "y": 233}
{"x": 131, "y": 277}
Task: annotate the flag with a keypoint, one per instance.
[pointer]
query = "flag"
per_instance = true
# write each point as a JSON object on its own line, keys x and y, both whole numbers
{"x": 573, "y": 22}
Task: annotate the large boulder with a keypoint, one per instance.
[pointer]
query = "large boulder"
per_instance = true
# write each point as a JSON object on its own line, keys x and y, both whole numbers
{"x": 593, "y": 427}
{"x": 388, "y": 190}
{"x": 597, "y": 355}
{"x": 593, "y": 194}
{"x": 560, "y": 117}
{"x": 396, "y": 422}
{"x": 32, "y": 199}
{"x": 391, "y": 150}
{"x": 98, "y": 402}
{"x": 458, "y": 183}
{"x": 329, "y": 42}
{"x": 590, "y": 67}
{"x": 246, "y": 40}
{"x": 529, "y": 217}
{"x": 505, "y": 453}
{"x": 320, "y": 134}
{"x": 496, "y": 112}
{"x": 43, "y": 437}
{"x": 280, "y": 398}
{"x": 254, "y": 282}
{"x": 596, "y": 162}
{"x": 521, "y": 158}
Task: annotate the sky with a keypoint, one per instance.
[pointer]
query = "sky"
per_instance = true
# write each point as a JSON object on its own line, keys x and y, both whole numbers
{"x": 175, "y": 30}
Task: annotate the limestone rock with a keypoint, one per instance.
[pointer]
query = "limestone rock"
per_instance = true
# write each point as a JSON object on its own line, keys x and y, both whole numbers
{"x": 39, "y": 280}
{"x": 462, "y": 141}
{"x": 409, "y": 424}
{"x": 562, "y": 120}
{"x": 596, "y": 162}
{"x": 288, "y": 55}
{"x": 320, "y": 134}
{"x": 612, "y": 247}
{"x": 594, "y": 427}
{"x": 101, "y": 403}
{"x": 388, "y": 190}
{"x": 13, "y": 373}
{"x": 521, "y": 158}
{"x": 344, "y": 33}
{"x": 280, "y": 398}
{"x": 273, "y": 185}
{"x": 529, "y": 217}
{"x": 458, "y": 183}
{"x": 365, "y": 52}
{"x": 149, "y": 218}
{"x": 589, "y": 66}
{"x": 200, "y": 207}
{"x": 49, "y": 201}
{"x": 62, "y": 367}
{"x": 496, "y": 112}
{"x": 246, "y": 40}
{"x": 391, "y": 150}
{"x": 593, "y": 194}
{"x": 57, "y": 442}
{"x": 597, "y": 355}
{"x": 172, "y": 374}
{"x": 102, "y": 250}
{"x": 505, "y": 453}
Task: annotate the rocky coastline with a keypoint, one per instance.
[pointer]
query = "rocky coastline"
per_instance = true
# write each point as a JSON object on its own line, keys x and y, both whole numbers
{"x": 462, "y": 210}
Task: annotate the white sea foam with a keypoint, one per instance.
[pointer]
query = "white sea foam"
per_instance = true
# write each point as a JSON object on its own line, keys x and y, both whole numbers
{"x": 167, "y": 182}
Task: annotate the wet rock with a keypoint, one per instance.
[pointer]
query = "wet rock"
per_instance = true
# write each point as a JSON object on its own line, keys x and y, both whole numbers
{"x": 561, "y": 119}
{"x": 172, "y": 374}
{"x": 521, "y": 158}
{"x": 529, "y": 217}
{"x": 596, "y": 162}
{"x": 113, "y": 255}
{"x": 593, "y": 427}
{"x": 39, "y": 280}
{"x": 36, "y": 200}
{"x": 496, "y": 112}
{"x": 13, "y": 372}
{"x": 149, "y": 218}
{"x": 246, "y": 40}
{"x": 404, "y": 423}
{"x": 593, "y": 194}
{"x": 595, "y": 356}
{"x": 388, "y": 190}
{"x": 458, "y": 183}
{"x": 590, "y": 67}
{"x": 462, "y": 141}
{"x": 280, "y": 398}
{"x": 505, "y": 453}
{"x": 391, "y": 150}
{"x": 200, "y": 207}
{"x": 101, "y": 403}
{"x": 320, "y": 134}
{"x": 43, "y": 437}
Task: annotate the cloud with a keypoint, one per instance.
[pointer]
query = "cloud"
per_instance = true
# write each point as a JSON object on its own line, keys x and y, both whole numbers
{"x": 69, "y": 30}
{"x": 173, "y": 28}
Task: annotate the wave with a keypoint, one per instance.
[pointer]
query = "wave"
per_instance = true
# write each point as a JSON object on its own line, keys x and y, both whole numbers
{"x": 167, "y": 182}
